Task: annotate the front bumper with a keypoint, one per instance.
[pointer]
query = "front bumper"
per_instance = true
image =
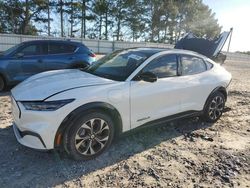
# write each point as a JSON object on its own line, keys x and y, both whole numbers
{"x": 29, "y": 139}
{"x": 35, "y": 129}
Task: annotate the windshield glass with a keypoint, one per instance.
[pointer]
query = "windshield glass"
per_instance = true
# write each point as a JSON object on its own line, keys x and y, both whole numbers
{"x": 10, "y": 50}
{"x": 119, "y": 64}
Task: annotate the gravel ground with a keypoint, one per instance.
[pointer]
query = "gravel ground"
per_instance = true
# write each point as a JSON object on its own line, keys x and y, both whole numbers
{"x": 184, "y": 153}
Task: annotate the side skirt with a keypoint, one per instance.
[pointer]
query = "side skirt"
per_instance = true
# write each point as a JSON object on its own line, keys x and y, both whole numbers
{"x": 166, "y": 119}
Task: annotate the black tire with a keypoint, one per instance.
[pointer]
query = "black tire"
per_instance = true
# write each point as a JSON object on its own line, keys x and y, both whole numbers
{"x": 2, "y": 84}
{"x": 80, "y": 142}
{"x": 214, "y": 107}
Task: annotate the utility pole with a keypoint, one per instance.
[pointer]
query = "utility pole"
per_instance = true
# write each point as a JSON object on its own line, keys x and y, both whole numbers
{"x": 231, "y": 33}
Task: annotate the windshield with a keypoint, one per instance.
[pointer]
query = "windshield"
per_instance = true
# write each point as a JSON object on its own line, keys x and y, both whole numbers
{"x": 119, "y": 64}
{"x": 10, "y": 50}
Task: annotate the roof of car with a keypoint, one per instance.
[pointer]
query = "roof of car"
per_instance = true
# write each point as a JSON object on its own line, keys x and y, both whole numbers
{"x": 151, "y": 51}
{"x": 57, "y": 41}
{"x": 147, "y": 50}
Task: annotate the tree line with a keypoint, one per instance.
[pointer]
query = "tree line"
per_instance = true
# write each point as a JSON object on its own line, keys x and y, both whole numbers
{"x": 135, "y": 20}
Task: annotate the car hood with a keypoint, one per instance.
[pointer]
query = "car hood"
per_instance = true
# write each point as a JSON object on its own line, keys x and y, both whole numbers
{"x": 209, "y": 48}
{"x": 43, "y": 85}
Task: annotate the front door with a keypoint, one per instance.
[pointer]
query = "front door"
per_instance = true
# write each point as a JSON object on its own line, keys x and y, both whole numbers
{"x": 27, "y": 61}
{"x": 151, "y": 101}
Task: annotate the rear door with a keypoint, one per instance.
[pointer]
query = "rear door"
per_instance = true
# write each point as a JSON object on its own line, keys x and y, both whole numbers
{"x": 195, "y": 72}
{"x": 60, "y": 56}
{"x": 27, "y": 61}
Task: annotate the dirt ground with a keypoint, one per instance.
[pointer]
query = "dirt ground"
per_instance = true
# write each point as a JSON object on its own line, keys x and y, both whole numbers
{"x": 184, "y": 153}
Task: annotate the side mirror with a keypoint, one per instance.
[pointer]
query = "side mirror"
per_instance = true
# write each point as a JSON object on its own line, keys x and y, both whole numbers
{"x": 148, "y": 77}
{"x": 19, "y": 55}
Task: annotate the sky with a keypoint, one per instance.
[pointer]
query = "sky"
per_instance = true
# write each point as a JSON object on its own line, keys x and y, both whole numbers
{"x": 236, "y": 14}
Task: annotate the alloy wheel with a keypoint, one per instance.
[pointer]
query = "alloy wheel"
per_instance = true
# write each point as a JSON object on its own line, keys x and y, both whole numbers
{"x": 216, "y": 107}
{"x": 92, "y": 136}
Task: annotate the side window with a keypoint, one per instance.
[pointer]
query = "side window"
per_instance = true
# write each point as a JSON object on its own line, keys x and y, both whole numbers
{"x": 192, "y": 65}
{"x": 164, "y": 66}
{"x": 61, "y": 48}
{"x": 32, "y": 49}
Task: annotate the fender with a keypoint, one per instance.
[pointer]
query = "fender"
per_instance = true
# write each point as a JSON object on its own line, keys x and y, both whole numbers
{"x": 220, "y": 89}
{"x": 107, "y": 108}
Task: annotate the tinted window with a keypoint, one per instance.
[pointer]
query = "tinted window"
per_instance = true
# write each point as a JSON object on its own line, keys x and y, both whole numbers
{"x": 61, "y": 48}
{"x": 162, "y": 67}
{"x": 192, "y": 65}
{"x": 32, "y": 49}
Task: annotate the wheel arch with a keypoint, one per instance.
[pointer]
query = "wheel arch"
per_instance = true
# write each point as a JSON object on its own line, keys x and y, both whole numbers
{"x": 2, "y": 75}
{"x": 220, "y": 89}
{"x": 100, "y": 106}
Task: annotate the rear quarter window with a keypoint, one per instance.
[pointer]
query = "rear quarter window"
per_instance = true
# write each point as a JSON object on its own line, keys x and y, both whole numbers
{"x": 83, "y": 49}
{"x": 209, "y": 65}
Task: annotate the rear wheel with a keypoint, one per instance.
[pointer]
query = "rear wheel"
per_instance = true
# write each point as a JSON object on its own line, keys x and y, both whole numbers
{"x": 2, "y": 84}
{"x": 214, "y": 107}
{"x": 89, "y": 136}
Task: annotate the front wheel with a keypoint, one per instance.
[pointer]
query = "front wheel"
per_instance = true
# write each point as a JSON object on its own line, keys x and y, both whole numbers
{"x": 214, "y": 107}
{"x": 89, "y": 136}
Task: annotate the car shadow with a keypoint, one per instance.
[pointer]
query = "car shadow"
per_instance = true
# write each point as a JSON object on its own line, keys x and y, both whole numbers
{"x": 52, "y": 168}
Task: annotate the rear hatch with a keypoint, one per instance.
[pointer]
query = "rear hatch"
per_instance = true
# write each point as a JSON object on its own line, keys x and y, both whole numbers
{"x": 209, "y": 48}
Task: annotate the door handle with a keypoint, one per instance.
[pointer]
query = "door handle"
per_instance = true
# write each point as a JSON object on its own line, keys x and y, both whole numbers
{"x": 70, "y": 58}
{"x": 39, "y": 61}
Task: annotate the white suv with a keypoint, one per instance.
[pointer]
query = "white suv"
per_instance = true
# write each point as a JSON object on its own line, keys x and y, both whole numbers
{"x": 84, "y": 110}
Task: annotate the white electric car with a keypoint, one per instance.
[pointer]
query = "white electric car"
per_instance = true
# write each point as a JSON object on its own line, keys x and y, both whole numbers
{"x": 83, "y": 110}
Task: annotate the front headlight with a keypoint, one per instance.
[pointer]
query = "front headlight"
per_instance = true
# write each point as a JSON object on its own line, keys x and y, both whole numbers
{"x": 46, "y": 105}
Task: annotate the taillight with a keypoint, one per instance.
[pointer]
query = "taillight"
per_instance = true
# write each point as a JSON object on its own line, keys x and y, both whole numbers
{"x": 92, "y": 55}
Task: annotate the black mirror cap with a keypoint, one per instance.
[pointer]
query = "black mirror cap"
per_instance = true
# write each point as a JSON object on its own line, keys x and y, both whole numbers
{"x": 148, "y": 77}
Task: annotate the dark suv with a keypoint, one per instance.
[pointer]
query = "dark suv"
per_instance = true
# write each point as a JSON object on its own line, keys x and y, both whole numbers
{"x": 32, "y": 57}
